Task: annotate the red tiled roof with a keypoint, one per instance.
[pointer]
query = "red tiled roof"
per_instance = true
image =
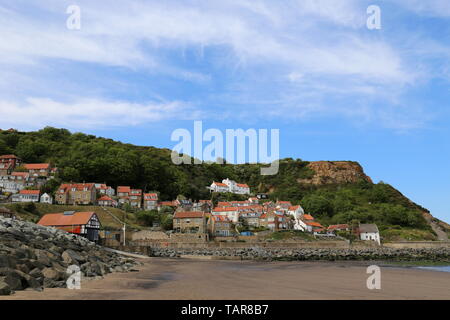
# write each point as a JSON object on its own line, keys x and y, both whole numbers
{"x": 220, "y": 184}
{"x": 105, "y": 198}
{"x": 308, "y": 217}
{"x": 78, "y": 186}
{"x": 242, "y": 185}
{"x": 168, "y": 203}
{"x": 150, "y": 196}
{"x": 37, "y": 166}
{"x": 35, "y": 192}
{"x": 293, "y": 208}
{"x": 224, "y": 209}
{"x": 123, "y": 189}
{"x": 20, "y": 174}
{"x": 59, "y": 219}
{"x": 338, "y": 226}
{"x": 188, "y": 214}
{"x": 314, "y": 224}
{"x": 223, "y": 204}
{"x": 9, "y": 156}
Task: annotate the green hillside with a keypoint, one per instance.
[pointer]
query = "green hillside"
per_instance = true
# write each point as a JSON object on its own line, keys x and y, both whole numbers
{"x": 82, "y": 157}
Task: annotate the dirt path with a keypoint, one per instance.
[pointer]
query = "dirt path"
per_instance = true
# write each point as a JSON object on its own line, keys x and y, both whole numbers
{"x": 441, "y": 234}
{"x": 190, "y": 279}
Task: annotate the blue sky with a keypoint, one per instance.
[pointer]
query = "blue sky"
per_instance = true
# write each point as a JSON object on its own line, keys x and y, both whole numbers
{"x": 137, "y": 70}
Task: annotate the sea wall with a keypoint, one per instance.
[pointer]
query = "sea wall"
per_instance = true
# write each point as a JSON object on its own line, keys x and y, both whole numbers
{"x": 302, "y": 254}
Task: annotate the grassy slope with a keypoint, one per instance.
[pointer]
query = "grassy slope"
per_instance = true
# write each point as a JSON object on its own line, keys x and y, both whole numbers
{"x": 106, "y": 219}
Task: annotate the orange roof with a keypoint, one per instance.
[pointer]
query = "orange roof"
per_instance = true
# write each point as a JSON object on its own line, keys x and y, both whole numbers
{"x": 35, "y": 192}
{"x": 59, "y": 219}
{"x": 168, "y": 203}
{"x": 338, "y": 226}
{"x": 105, "y": 198}
{"x": 223, "y": 209}
{"x": 314, "y": 224}
{"x": 223, "y": 204}
{"x": 188, "y": 214}
{"x": 308, "y": 217}
{"x": 20, "y": 174}
{"x": 37, "y": 166}
{"x": 220, "y": 184}
{"x": 122, "y": 189}
{"x": 242, "y": 185}
{"x": 9, "y": 156}
{"x": 78, "y": 186}
{"x": 293, "y": 208}
{"x": 284, "y": 202}
{"x": 150, "y": 196}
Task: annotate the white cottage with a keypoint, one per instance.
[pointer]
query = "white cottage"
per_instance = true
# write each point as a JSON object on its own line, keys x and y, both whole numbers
{"x": 369, "y": 232}
{"x": 46, "y": 198}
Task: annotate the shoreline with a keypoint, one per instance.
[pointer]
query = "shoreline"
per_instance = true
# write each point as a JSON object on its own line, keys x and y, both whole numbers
{"x": 185, "y": 279}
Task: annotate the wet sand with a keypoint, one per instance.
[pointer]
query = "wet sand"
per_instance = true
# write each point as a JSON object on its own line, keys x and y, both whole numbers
{"x": 194, "y": 279}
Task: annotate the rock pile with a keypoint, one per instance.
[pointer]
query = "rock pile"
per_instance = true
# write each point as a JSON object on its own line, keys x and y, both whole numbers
{"x": 37, "y": 257}
{"x": 302, "y": 254}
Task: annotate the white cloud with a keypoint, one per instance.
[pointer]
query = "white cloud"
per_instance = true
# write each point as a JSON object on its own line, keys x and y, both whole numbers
{"x": 36, "y": 113}
{"x": 313, "y": 48}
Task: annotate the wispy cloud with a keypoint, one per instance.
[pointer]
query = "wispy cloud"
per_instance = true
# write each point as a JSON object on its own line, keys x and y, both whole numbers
{"x": 36, "y": 113}
{"x": 311, "y": 57}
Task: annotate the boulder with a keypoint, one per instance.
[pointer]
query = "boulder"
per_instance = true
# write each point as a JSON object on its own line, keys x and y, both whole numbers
{"x": 5, "y": 289}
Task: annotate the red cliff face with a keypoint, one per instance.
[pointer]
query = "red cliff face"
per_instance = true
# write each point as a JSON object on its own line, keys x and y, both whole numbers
{"x": 335, "y": 172}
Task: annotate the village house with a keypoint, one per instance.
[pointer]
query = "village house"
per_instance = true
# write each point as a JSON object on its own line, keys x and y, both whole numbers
{"x": 285, "y": 205}
{"x": 104, "y": 189}
{"x": 8, "y": 163}
{"x": 231, "y": 186}
{"x": 203, "y": 205}
{"x": 46, "y": 198}
{"x": 250, "y": 218}
{"x": 218, "y": 187}
{"x": 369, "y": 232}
{"x": 6, "y": 213}
{"x": 26, "y": 196}
{"x": 150, "y": 201}
{"x": 106, "y": 201}
{"x": 15, "y": 182}
{"x": 172, "y": 204}
{"x": 232, "y": 213}
{"x": 253, "y": 200}
{"x": 184, "y": 204}
{"x": 189, "y": 222}
{"x": 219, "y": 226}
{"x": 297, "y": 212}
{"x": 337, "y": 227}
{"x": 238, "y": 188}
{"x": 76, "y": 193}
{"x": 136, "y": 198}
{"x": 123, "y": 192}
{"x": 85, "y": 224}
{"x": 38, "y": 169}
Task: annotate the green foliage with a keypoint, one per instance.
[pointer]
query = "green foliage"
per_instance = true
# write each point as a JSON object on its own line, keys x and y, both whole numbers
{"x": 82, "y": 157}
{"x": 149, "y": 218}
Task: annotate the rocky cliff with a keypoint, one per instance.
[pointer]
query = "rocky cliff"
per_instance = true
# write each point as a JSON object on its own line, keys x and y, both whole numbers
{"x": 37, "y": 257}
{"x": 335, "y": 172}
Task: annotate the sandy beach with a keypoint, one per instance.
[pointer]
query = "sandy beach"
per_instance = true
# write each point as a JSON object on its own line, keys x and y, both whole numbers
{"x": 194, "y": 279}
